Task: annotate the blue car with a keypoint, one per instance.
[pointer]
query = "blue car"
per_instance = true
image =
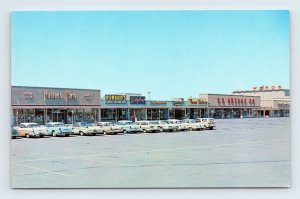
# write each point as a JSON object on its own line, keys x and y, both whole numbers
{"x": 58, "y": 129}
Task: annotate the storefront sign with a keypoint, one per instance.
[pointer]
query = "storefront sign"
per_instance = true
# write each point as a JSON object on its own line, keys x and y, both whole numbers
{"x": 28, "y": 94}
{"x": 158, "y": 102}
{"x": 178, "y": 101}
{"x": 65, "y": 95}
{"x": 266, "y": 88}
{"x": 115, "y": 99}
{"x": 234, "y": 101}
{"x": 197, "y": 101}
{"x": 137, "y": 100}
{"x": 88, "y": 96}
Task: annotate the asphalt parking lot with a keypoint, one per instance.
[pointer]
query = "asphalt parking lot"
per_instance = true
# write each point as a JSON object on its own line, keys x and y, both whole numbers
{"x": 239, "y": 153}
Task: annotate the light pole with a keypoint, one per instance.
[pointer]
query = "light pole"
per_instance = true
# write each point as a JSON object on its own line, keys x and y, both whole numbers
{"x": 149, "y": 95}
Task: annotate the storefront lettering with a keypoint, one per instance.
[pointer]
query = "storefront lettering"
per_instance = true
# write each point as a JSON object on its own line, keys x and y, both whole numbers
{"x": 59, "y": 95}
{"x": 28, "y": 94}
{"x": 266, "y": 88}
{"x": 236, "y": 101}
{"x": 115, "y": 99}
{"x": 158, "y": 102}
{"x": 88, "y": 96}
{"x": 198, "y": 101}
{"x": 137, "y": 100}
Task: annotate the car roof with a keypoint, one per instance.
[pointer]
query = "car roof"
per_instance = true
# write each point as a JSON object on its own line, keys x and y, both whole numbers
{"x": 28, "y": 123}
{"x": 55, "y": 123}
{"x": 103, "y": 122}
{"x": 125, "y": 121}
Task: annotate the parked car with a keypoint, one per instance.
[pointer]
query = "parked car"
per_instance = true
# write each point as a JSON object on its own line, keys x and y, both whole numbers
{"x": 58, "y": 129}
{"x": 209, "y": 123}
{"x": 193, "y": 125}
{"x": 85, "y": 128}
{"x": 14, "y": 133}
{"x": 110, "y": 128}
{"x": 166, "y": 126}
{"x": 31, "y": 130}
{"x": 178, "y": 124}
{"x": 129, "y": 126}
{"x": 148, "y": 126}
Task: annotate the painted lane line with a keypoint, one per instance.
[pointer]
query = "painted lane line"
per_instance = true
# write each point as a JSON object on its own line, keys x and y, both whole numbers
{"x": 44, "y": 170}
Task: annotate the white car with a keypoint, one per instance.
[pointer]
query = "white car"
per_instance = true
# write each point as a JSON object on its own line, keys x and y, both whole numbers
{"x": 129, "y": 126}
{"x": 166, "y": 126}
{"x": 193, "y": 125}
{"x": 209, "y": 123}
{"x": 31, "y": 130}
{"x": 85, "y": 128}
{"x": 178, "y": 123}
{"x": 148, "y": 126}
{"x": 110, "y": 128}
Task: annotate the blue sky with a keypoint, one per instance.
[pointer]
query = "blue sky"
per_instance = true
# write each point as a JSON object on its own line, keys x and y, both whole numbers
{"x": 170, "y": 53}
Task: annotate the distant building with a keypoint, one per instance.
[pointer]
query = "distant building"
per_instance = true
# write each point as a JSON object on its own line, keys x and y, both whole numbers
{"x": 275, "y": 101}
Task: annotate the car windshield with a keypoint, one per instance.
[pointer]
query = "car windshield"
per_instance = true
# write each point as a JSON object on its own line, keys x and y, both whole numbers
{"x": 59, "y": 124}
{"x": 153, "y": 122}
{"x": 32, "y": 125}
{"x": 211, "y": 120}
{"x": 126, "y": 123}
{"x": 178, "y": 122}
{"x": 163, "y": 122}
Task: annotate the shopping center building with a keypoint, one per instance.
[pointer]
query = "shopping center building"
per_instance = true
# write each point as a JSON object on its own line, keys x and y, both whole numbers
{"x": 42, "y": 105}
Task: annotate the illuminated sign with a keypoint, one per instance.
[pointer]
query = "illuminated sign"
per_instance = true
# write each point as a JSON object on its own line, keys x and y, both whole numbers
{"x": 115, "y": 99}
{"x": 137, "y": 100}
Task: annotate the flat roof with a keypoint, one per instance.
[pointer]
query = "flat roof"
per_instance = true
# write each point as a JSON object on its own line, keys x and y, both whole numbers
{"x": 54, "y": 88}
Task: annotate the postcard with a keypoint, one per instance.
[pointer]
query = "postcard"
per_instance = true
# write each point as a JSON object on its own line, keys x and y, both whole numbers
{"x": 150, "y": 99}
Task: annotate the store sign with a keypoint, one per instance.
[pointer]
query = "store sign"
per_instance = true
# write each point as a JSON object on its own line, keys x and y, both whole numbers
{"x": 28, "y": 94}
{"x": 158, "y": 102}
{"x": 65, "y": 95}
{"x": 115, "y": 99}
{"x": 197, "y": 101}
{"x": 88, "y": 96}
{"x": 137, "y": 100}
{"x": 178, "y": 101}
{"x": 266, "y": 88}
{"x": 234, "y": 101}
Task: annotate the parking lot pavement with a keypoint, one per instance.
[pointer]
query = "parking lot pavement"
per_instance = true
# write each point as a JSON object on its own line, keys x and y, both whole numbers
{"x": 239, "y": 153}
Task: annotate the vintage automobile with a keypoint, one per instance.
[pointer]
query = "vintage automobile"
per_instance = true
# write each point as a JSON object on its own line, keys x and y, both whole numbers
{"x": 166, "y": 126}
{"x": 110, "y": 128}
{"x": 148, "y": 126}
{"x": 14, "y": 133}
{"x": 129, "y": 126}
{"x": 58, "y": 129}
{"x": 209, "y": 123}
{"x": 31, "y": 130}
{"x": 178, "y": 124}
{"x": 193, "y": 125}
{"x": 86, "y": 128}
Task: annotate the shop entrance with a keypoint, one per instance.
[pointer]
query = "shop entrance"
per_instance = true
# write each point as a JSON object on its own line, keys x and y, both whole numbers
{"x": 179, "y": 114}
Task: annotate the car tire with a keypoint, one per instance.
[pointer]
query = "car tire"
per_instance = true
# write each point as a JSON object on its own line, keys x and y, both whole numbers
{"x": 161, "y": 129}
{"x": 27, "y": 136}
{"x": 144, "y": 131}
{"x": 125, "y": 131}
{"x": 211, "y": 128}
{"x": 14, "y": 137}
{"x": 41, "y": 135}
{"x": 81, "y": 133}
{"x": 190, "y": 129}
{"x": 54, "y": 134}
{"x": 67, "y": 135}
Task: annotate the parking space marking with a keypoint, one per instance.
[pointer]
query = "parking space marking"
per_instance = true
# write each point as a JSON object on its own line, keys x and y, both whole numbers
{"x": 44, "y": 170}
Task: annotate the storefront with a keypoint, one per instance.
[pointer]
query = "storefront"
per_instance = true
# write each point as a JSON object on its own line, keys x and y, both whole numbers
{"x": 42, "y": 105}
{"x": 231, "y": 106}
